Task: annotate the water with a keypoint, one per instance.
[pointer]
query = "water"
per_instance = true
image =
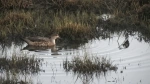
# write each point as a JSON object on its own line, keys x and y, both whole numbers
{"x": 133, "y": 62}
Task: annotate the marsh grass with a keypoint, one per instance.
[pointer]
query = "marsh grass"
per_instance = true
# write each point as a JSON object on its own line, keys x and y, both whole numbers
{"x": 89, "y": 65}
{"x": 13, "y": 23}
{"x": 72, "y": 26}
{"x": 74, "y": 20}
{"x": 75, "y": 25}
{"x": 20, "y": 64}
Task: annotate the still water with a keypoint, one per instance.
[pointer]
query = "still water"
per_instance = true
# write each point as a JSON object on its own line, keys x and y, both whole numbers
{"x": 133, "y": 62}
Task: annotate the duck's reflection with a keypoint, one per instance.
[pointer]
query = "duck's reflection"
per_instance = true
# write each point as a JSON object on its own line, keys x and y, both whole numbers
{"x": 53, "y": 49}
{"x": 37, "y": 48}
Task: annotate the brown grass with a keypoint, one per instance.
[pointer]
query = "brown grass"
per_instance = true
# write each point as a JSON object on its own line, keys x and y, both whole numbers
{"x": 16, "y": 3}
{"x": 74, "y": 25}
{"x": 13, "y": 23}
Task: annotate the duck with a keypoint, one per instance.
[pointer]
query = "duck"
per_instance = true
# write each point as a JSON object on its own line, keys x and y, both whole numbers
{"x": 41, "y": 41}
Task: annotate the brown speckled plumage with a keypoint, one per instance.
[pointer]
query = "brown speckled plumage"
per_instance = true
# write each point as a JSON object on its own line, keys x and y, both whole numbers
{"x": 41, "y": 41}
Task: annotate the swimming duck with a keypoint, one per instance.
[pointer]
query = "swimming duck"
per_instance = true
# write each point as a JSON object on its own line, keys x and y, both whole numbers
{"x": 41, "y": 41}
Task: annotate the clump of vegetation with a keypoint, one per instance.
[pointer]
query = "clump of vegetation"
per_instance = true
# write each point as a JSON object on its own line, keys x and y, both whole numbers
{"x": 13, "y": 24}
{"x": 72, "y": 19}
{"x": 75, "y": 26}
{"x": 20, "y": 64}
{"x": 89, "y": 65}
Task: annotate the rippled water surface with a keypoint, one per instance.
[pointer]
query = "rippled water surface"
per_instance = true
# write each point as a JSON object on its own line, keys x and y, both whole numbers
{"x": 133, "y": 62}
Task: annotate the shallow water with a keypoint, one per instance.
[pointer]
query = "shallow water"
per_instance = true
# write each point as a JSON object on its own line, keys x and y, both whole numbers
{"x": 133, "y": 62}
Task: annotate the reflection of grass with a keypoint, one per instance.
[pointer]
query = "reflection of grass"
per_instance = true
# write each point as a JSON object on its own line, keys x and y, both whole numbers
{"x": 20, "y": 64}
{"x": 88, "y": 65}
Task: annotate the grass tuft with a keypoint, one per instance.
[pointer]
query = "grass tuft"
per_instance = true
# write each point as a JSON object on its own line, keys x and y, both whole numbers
{"x": 20, "y": 64}
{"x": 88, "y": 65}
{"x": 75, "y": 25}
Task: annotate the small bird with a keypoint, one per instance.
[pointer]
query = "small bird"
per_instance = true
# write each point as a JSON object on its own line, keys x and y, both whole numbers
{"x": 41, "y": 41}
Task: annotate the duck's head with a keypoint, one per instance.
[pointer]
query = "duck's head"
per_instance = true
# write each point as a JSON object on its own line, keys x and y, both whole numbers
{"x": 55, "y": 36}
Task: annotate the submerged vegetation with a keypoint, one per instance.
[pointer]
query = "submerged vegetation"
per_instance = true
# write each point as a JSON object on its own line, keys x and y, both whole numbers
{"x": 74, "y": 20}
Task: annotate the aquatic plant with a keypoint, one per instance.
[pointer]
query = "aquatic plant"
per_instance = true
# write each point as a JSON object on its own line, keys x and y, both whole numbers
{"x": 20, "y": 64}
{"x": 88, "y": 65}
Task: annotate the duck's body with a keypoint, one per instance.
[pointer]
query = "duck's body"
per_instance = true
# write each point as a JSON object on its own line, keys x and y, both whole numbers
{"x": 41, "y": 41}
